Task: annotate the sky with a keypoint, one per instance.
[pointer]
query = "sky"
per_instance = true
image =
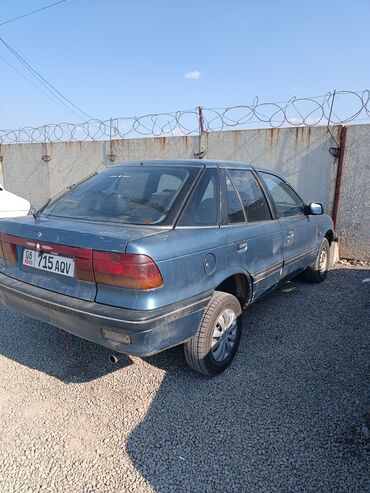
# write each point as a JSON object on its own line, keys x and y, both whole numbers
{"x": 116, "y": 58}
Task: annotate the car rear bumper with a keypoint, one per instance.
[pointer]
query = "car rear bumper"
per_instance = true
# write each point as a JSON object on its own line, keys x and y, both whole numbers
{"x": 136, "y": 332}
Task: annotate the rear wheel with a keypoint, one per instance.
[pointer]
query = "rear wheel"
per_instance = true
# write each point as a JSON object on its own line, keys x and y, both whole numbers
{"x": 318, "y": 270}
{"x": 214, "y": 345}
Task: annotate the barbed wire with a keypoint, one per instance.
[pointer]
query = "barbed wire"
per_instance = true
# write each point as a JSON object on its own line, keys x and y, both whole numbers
{"x": 334, "y": 108}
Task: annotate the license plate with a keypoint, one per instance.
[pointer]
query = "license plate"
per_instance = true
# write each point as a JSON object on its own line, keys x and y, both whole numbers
{"x": 48, "y": 262}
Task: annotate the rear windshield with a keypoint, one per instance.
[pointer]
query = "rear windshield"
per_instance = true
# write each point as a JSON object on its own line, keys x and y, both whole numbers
{"x": 127, "y": 194}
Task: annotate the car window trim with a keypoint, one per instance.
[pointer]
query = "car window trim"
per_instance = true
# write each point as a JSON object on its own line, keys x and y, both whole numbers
{"x": 286, "y": 183}
{"x": 268, "y": 197}
{"x": 272, "y": 200}
{"x": 251, "y": 225}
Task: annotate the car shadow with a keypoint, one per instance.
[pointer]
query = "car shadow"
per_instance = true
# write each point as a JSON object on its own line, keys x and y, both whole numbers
{"x": 47, "y": 349}
{"x": 279, "y": 418}
{"x": 284, "y": 417}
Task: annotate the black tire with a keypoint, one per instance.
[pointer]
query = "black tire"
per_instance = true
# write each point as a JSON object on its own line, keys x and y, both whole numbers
{"x": 199, "y": 352}
{"x": 316, "y": 272}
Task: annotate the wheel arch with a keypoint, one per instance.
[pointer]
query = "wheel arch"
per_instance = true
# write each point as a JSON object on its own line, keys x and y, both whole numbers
{"x": 330, "y": 236}
{"x": 239, "y": 285}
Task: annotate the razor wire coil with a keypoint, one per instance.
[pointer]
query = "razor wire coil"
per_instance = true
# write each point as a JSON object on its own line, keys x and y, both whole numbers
{"x": 330, "y": 108}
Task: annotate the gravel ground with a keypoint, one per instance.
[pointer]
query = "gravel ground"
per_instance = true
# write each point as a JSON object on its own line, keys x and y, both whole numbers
{"x": 291, "y": 414}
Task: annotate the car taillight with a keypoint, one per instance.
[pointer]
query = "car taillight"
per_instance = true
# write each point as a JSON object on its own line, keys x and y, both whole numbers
{"x": 8, "y": 250}
{"x": 133, "y": 271}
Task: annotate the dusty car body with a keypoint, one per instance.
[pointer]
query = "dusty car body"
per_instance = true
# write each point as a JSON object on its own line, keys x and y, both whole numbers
{"x": 148, "y": 255}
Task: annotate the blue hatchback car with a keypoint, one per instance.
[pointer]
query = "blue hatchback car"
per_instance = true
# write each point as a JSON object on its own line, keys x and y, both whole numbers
{"x": 147, "y": 255}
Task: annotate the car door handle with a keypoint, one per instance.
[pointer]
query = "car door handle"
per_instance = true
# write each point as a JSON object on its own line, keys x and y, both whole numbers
{"x": 290, "y": 234}
{"x": 242, "y": 247}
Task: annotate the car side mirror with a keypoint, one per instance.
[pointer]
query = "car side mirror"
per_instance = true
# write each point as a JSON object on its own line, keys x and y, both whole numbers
{"x": 314, "y": 209}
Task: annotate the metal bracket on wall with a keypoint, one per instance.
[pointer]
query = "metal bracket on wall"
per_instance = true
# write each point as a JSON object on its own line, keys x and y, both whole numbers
{"x": 200, "y": 154}
{"x": 335, "y": 152}
{"x": 45, "y": 157}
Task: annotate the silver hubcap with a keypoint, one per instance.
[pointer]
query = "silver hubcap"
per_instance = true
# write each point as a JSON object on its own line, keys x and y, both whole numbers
{"x": 224, "y": 335}
{"x": 323, "y": 260}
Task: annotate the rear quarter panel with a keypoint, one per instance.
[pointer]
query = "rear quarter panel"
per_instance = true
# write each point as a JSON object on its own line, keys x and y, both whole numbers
{"x": 191, "y": 260}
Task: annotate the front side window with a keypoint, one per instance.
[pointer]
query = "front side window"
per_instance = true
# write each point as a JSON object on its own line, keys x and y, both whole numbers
{"x": 127, "y": 194}
{"x": 203, "y": 206}
{"x": 251, "y": 195}
{"x": 287, "y": 202}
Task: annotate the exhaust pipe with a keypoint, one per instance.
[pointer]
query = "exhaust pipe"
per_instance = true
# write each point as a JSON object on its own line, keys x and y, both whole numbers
{"x": 114, "y": 359}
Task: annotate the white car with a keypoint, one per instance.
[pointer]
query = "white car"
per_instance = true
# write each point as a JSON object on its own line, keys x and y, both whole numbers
{"x": 11, "y": 205}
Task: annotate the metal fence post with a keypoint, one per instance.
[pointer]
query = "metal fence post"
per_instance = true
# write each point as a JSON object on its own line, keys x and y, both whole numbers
{"x": 338, "y": 181}
{"x": 201, "y": 150}
{"x": 112, "y": 157}
{"x": 45, "y": 157}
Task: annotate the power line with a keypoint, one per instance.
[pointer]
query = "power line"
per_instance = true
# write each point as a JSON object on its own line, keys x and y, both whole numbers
{"x": 32, "y": 12}
{"x": 32, "y": 83}
{"x": 38, "y": 76}
{"x": 48, "y": 86}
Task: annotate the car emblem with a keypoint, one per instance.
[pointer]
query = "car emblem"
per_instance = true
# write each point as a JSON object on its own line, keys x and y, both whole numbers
{"x": 39, "y": 234}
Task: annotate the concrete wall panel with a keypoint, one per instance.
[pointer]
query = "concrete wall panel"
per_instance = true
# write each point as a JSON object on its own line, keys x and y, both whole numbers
{"x": 353, "y": 225}
{"x": 25, "y": 173}
{"x": 300, "y": 154}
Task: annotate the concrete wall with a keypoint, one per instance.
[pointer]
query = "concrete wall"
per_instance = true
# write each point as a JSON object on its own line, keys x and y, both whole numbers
{"x": 353, "y": 224}
{"x": 299, "y": 154}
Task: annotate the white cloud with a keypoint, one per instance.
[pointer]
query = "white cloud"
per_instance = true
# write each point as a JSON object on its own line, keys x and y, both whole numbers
{"x": 195, "y": 74}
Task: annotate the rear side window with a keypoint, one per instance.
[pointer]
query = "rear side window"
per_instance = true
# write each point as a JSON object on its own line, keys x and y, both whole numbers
{"x": 251, "y": 195}
{"x": 287, "y": 202}
{"x": 127, "y": 194}
{"x": 235, "y": 212}
{"x": 203, "y": 206}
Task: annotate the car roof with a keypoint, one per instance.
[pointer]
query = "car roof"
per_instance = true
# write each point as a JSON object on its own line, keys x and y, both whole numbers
{"x": 198, "y": 163}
